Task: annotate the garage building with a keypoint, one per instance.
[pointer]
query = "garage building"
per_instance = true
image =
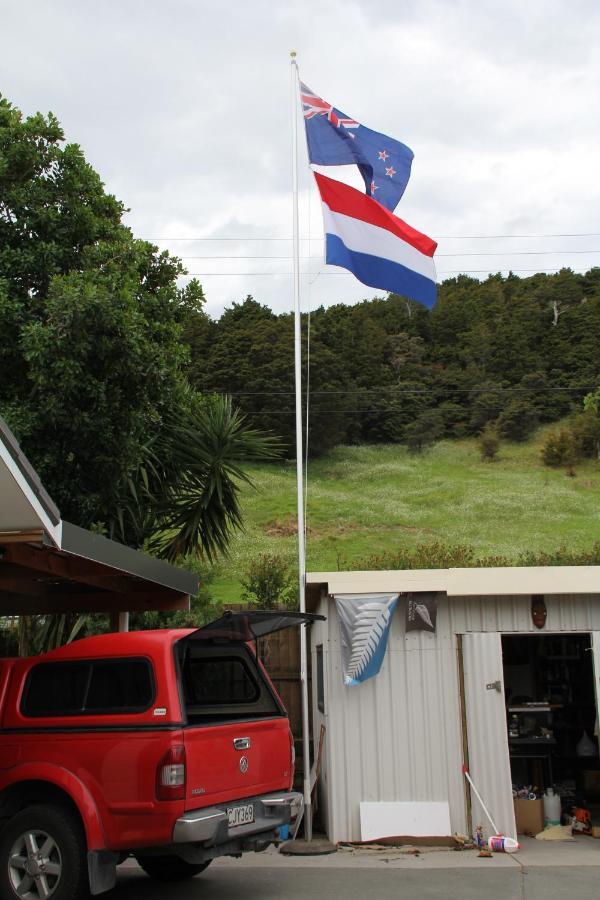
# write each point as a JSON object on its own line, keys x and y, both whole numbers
{"x": 491, "y": 689}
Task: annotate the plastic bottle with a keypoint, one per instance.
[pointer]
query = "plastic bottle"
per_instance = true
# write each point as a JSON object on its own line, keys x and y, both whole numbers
{"x": 552, "y": 808}
{"x": 498, "y": 843}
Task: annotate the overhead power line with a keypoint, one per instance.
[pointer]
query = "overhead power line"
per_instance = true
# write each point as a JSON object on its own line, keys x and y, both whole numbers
{"x": 411, "y": 391}
{"x": 441, "y": 237}
{"x": 437, "y": 255}
{"x": 349, "y": 274}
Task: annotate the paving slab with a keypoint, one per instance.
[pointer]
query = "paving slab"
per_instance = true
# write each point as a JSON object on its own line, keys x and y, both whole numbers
{"x": 583, "y": 851}
{"x": 272, "y": 883}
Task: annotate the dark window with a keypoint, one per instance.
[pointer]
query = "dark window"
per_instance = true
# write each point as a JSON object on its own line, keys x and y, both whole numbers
{"x": 117, "y": 685}
{"x": 320, "y": 679}
{"x": 219, "y": 680}
{"x": 88, "y": 687}
{"x": 56, "y": 689}
{"x": 223, "y": 684}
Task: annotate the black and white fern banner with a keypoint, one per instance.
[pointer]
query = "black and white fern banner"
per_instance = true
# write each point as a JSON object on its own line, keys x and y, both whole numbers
{"x": 364, "y": 627}
{"x": 421, "y": 611}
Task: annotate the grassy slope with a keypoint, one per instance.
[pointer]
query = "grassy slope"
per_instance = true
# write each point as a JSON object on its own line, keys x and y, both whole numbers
{"x": 366, "y": 500}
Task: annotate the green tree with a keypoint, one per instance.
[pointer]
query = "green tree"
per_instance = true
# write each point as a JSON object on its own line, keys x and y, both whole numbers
{"x": 487, "y": 401}
{"x": 517, "y": 420}
{"x": 251, "y": 357}
{"x": 269, "y": 583}
{"x": 94, "y": 356}
{"x": 185, "y": 497}
{"x": 426, "y": 429}
{"x": 96, "y": 332}
{"x": 52, "y": 206}
{"x": 587, "y": 433}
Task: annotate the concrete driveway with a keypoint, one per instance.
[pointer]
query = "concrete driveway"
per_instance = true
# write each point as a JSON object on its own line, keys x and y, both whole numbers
{"x": 538, "y": 871}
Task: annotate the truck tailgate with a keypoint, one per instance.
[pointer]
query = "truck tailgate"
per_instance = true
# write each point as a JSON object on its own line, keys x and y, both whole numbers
{"x": 230, "y": 761}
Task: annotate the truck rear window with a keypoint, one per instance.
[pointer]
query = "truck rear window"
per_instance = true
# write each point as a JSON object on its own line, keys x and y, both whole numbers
{"x": 224, "y": 683}
{"x": 220, "y": 680}
{"x": 86, "y": 687}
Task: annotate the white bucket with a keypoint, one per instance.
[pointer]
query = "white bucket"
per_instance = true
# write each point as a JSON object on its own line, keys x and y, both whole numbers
{"x": 552, "y": 808}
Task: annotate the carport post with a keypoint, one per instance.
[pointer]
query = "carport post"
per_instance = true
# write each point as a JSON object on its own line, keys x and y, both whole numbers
{"x": 119, "y": 621}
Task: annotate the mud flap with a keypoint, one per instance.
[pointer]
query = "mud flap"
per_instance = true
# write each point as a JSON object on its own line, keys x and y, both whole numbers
{"x": 102, "y": 870}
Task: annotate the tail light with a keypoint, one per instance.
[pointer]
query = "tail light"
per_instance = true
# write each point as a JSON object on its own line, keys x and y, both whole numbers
{"x": 292, "y": 750}
{"x": 170, "y": 775}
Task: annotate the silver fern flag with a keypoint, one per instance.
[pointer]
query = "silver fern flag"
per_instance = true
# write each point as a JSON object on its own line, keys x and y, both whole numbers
{"x": 421, "y": 611}
{"x": 365, "y": 621}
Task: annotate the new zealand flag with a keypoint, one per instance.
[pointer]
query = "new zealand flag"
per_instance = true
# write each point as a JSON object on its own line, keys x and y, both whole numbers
{"x": 336, "y": 140}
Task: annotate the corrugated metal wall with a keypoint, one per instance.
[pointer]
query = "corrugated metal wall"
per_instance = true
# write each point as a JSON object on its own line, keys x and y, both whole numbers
{"x": 399, "y": 735}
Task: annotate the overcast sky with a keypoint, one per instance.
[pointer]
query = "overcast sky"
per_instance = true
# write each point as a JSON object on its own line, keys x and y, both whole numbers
{"x": 183, "y": 107}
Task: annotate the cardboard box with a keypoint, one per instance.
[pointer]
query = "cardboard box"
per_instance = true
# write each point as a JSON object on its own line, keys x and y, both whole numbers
{"x": 529, "y": 815}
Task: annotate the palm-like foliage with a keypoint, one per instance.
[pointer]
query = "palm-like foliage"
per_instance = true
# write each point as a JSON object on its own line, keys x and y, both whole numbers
{"x": 184, "y": 499}
{"x": 39, "y": 634}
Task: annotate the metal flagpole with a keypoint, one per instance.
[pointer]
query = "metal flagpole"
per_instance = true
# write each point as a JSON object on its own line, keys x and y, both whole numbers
{"x": 299, "y": 458}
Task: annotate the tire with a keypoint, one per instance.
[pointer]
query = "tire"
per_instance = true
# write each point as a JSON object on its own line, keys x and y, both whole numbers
{"x": 170, "y": 868}
{"x": 43, "y": 856}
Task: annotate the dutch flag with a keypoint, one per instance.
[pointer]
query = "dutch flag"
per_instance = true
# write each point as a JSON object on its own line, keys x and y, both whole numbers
{"x": 377, "y": 247}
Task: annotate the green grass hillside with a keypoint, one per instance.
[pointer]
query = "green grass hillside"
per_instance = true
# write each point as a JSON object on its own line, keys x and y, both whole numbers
{"x": 370, "y": 500}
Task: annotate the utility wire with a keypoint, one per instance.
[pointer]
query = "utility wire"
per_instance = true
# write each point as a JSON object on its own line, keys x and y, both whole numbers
{"x": 411, "y": 391}
{"x": 437, "y": 255}
{"x": 349, "y": 274}
{"x": 318, "y": 410}
{"x": 442, "y": 237}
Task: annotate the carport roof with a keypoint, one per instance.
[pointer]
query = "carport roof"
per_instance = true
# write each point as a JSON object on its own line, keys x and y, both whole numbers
{"x": 49, "y": 565}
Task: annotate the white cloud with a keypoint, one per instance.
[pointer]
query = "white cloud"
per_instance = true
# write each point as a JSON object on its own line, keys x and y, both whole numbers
{"x": 184, "y": 109}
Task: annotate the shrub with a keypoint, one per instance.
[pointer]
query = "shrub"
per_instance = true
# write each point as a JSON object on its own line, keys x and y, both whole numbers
{"x": 559, "y": 449}
{"x": 268, "y": 583}
{"x": 488, "y": 442}
{"x": 585, "y": 429}
{"x": 437, "y": 555}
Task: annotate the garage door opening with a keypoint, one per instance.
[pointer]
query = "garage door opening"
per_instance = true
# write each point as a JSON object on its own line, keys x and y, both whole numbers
{"x": 551, "y": 716}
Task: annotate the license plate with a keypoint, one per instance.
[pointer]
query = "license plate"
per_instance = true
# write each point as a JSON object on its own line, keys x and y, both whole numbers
{"x": 240, "y": 815}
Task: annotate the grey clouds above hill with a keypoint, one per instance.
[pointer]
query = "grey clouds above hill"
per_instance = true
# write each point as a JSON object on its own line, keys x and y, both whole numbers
{"x": 184, "y": 109}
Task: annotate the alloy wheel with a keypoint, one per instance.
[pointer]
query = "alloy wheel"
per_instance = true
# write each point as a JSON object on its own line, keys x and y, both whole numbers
{"x": 34, "y": 865}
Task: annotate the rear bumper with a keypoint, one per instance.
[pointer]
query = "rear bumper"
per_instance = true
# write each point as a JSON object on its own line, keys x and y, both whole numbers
{"x": 211, "y": 826}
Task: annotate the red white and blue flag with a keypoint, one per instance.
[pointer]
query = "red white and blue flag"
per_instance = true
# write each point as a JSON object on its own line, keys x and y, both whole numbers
{"x": 335, "y": 139}
{"x": 378, "y": 248}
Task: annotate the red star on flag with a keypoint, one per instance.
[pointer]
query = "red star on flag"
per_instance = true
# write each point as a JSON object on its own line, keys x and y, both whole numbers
{"x": 383, "y": 154}
{"x": 374, "y": 187}
{"x": 391, "y": 171}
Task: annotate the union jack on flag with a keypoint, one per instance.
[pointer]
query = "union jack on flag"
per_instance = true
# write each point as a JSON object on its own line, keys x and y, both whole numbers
{"x": 334, "y": 139}
{"x": 316, "y": 106}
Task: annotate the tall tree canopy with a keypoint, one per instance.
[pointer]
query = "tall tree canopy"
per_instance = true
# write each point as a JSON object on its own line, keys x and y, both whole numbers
{"x": 93, "y": 356}
{"x": 515, "y": 351}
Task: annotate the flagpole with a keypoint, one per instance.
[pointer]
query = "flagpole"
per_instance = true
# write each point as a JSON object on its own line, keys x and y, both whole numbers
{"x": 299, "y": 457}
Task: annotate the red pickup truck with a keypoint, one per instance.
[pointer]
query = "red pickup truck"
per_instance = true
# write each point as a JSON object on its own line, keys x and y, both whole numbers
{"x": 169, "y": 745}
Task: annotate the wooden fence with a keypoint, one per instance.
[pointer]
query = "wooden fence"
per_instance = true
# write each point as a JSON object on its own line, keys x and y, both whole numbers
{"x": 280, "y": 655}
